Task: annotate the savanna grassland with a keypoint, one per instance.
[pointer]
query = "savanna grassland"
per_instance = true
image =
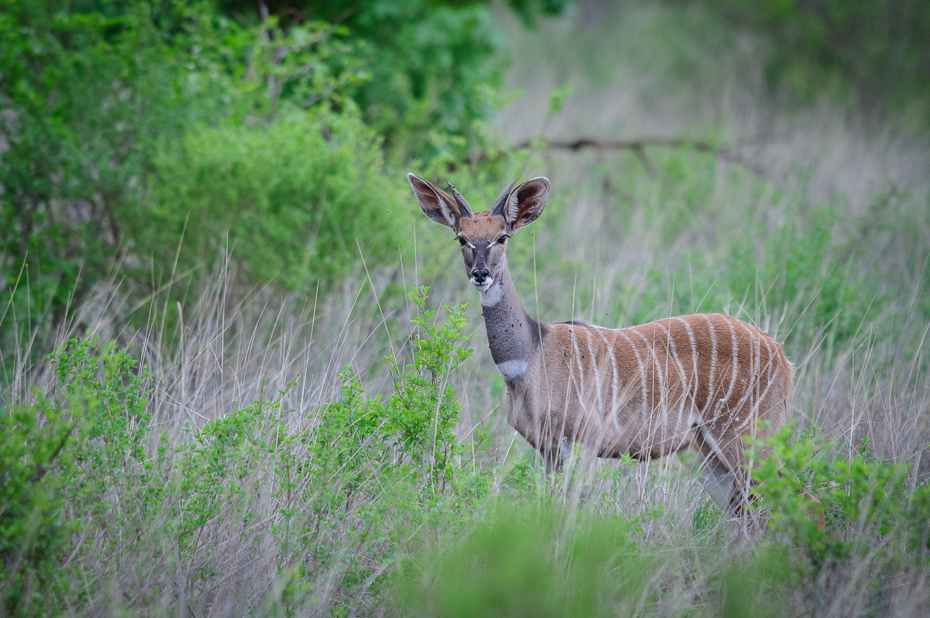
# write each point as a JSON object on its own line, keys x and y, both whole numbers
{"x": 241, "y": 374}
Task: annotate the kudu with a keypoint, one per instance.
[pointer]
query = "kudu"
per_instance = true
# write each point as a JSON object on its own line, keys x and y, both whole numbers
{"x": 701, "y": 382}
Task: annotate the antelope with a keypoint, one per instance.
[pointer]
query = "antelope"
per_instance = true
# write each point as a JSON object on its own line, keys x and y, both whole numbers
{"x": 695, "y": 382}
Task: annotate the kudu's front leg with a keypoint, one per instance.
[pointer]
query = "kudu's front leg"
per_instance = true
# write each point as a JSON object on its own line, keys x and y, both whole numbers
{"x": 555, "y": 455}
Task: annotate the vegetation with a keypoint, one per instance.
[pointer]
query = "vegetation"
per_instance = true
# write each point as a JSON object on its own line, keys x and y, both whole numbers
{"x": 225, "y": 390}
{"x": 880, "y": 48}
{"x": 149, "y": 138}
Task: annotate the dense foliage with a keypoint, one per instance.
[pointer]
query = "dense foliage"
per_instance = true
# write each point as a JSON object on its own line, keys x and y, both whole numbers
{"x": 150, "y": 139}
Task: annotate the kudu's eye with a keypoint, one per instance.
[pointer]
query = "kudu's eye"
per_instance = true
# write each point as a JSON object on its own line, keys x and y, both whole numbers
{"x": 462, "y": 241}
{"x": 502, "y": 239}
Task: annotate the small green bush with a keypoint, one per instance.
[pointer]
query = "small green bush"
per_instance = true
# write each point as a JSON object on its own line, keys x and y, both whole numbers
{"x": 432, "y": 65}
{"x": 289, "y": 200}
{"x": 36, "y": 456}
{"x": 859, "y": 499}
{"x": 71, "y": 465}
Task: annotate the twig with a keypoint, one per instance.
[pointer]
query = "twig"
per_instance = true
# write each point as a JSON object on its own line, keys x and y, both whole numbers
{"x": 638, "y": 146}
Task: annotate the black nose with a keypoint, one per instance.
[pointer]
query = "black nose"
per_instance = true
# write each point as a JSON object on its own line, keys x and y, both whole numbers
{"x": 480, "y": 275}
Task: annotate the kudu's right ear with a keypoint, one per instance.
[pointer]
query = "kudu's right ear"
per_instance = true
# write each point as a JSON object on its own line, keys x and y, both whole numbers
{"x": 436, "y": 203}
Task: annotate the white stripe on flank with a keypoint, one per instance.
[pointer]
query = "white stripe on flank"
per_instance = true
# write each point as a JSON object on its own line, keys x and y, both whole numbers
{"x": 512, "y": 369}
{"x": 655, "y": 360}
{"x": 754, "y": 405}
{"x": 642, "y": 373}
{"x": 773, "y": 360}
{"x": 580, "y": 367}
{"x": 597, "y": 377}
{"x": 754, "y": 362}
{"x": 684, "y": 378}
{"x": 615, "y": 386}
{"x": 692, "y": 388}
{"x": 735, "y": 362}
{"x": 615, "y": 383}
{"x": 654, "y": 426}
{"x": 694, "y": 359}
{"x": 713, "y": 361}
{"x": 671, "y": 342}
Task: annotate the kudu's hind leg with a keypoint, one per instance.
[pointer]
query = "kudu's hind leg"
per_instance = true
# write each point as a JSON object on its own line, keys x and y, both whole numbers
{"x": 728, "y": 484}
{"x": 718, "y": 482}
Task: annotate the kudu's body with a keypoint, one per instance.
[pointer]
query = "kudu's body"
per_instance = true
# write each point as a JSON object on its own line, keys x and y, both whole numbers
{"x": 697, "y": 381}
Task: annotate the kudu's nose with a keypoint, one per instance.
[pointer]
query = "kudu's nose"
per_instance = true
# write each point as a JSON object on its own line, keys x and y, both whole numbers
{"x": 480, "y": 275}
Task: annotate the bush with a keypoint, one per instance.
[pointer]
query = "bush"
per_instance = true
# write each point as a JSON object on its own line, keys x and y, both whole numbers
{"x": 288, "y": 200}
{"x": 835, "y": 509}
{"x": 35, "y": 531}
{"x": 69, "y": 464}
{"x": 124, "y": 126}
{"x": 433, "y": 65}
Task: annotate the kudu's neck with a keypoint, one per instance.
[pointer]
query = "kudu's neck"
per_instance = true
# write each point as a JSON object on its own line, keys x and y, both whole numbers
{"x": 512, "y": 334}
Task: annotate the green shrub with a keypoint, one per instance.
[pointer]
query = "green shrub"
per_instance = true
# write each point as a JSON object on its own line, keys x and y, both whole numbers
{"x": 73, "y": 464}
{"x": 862, "y": 507}
{"x": 107, "y": 393}
{"x": 289, "y": 200}
{"x": 88, "y": 489}
{"x": 423, "y": 410}
{"x": 36, "y": 458}
{"x": 126, "y": 127}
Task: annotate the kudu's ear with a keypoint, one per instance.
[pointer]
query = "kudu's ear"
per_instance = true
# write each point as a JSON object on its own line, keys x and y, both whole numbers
{"x": 436, "y": 203}
{"x": 525, "y": 204}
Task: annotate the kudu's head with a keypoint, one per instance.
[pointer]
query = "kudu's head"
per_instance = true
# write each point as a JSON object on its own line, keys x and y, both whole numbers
{"x": 483, "y": 235}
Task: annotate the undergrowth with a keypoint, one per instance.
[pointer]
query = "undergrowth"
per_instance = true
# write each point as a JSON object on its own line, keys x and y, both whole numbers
{"x": 92, "y": 490}
{"x": 380, "y": 502}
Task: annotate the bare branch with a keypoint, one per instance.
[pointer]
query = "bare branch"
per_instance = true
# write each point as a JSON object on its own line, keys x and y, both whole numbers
{"x": 638, "y": 146}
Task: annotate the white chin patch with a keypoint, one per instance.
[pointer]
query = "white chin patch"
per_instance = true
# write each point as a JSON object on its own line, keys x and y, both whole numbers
{"x": 482, "y": 287}
{"x": 491, "y": 293}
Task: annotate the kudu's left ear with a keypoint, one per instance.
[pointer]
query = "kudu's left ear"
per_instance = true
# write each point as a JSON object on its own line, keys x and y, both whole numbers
{"x": 525, "y": 204}
{"x": 436, "y": 203}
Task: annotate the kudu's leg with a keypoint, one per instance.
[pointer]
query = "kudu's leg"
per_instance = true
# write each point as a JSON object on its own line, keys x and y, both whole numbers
{"x": 728, "y": 483}
{"x": 718, "y": 482}
{"x": 555, "y": 455}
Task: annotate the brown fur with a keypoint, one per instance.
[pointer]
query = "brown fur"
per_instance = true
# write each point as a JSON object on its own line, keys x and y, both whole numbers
{"x": 650, "y": 390}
